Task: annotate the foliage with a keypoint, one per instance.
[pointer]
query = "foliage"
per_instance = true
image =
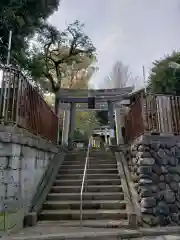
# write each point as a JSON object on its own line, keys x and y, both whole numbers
{"x": 78, "y": 76}
{"x": 62, "y": 56}
{"x": 102, "y": 117}
{"x": 23, "y": 18}
{"x": 86, "y": 121}
{"x": 79, "y": 136}
{"x": 163, "y": 78}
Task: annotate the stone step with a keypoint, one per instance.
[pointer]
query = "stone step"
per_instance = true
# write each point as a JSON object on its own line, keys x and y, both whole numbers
{"x": 104, "y": 223}
{"x": 96, "y": 161}
{"x": 71, "y": 171}
{"x": 88, "y": 188}
{"x": 91, "y": 157}
{"x": 103, "y": 159}
{"x": 78, "y": 182}
{"x": 86, "y": 196}
{"x": 91, "y": 166}
{"x": 87, "y": 214}
{"x": 75, "y": 160}
{"x": 75, "y": 155}
{"x": 102, "y": 171}
{"x": 88, "y": 176}
{"x": 105, "y": 155}
{"x": 93, "y": 204}
{"x": 89, "y": 171}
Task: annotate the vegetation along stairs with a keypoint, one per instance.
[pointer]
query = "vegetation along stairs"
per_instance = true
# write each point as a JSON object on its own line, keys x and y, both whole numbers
{"x": 103, "y": 198}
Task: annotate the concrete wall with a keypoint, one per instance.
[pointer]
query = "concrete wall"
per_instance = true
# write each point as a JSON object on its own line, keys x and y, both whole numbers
{"x": 154, "y": 162}
{"x": 24, "y": 159}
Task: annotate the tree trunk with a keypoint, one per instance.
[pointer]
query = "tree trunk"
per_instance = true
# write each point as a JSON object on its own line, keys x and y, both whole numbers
{"x": 56, "y": 105}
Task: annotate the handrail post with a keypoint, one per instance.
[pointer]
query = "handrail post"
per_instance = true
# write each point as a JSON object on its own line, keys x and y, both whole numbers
{"x": 83, "y": 181}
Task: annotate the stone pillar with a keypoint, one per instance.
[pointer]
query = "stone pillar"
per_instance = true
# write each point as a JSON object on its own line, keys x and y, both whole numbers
{"x": 119, "y": 125}
{"x": 65, "y": 132}
{"x": 72, "y": 122}
{"x": 111, "y": 113}
{"x": 106, "y": 138}
{"x": 109, "y": 140}
{"x": 92, "y": 141}
{"x": 111, "y": 120}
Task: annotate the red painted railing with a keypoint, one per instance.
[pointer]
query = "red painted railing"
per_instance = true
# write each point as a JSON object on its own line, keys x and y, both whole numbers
{"x": 134, "y": 126}
{"x": 21, "y": 104}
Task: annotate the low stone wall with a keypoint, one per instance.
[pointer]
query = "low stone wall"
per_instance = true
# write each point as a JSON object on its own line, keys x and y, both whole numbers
{"x": 154, "y": 162}
{"x": 24, "y": 159}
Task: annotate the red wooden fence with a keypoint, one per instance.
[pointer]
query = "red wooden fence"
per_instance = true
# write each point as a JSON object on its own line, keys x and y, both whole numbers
{"x": 21, "y": 104}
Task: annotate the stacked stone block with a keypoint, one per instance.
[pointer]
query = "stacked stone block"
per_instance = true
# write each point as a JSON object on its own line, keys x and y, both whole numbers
{"x": 154, "y": 162}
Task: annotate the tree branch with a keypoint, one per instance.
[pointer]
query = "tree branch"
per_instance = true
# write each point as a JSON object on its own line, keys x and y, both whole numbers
{"x": 49, "y": 76}
{"x": 75, "y": 53}
{"x": 58, "y": 74}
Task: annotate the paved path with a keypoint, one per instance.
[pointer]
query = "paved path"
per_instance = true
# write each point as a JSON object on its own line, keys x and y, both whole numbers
{"x": 57, "y": 232}
{"x": 163, "y": 237}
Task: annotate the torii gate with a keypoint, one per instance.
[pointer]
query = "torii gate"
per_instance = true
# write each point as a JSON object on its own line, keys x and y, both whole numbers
{"x": 71, "y": 100}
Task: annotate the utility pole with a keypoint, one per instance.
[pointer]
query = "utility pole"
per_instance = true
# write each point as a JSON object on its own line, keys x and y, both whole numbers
{"x": 9, "y": 47}
{"x": 144, "y": 79}
{"x": 5, "y": 84}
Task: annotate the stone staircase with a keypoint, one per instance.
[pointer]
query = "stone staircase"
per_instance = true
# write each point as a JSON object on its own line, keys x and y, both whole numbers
{"x": 103, "y": 197}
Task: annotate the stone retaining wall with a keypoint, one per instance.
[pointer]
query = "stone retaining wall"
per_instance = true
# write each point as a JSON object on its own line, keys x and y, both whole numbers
{"x": 154, "y": 162}
{"x": 24, "y": 159}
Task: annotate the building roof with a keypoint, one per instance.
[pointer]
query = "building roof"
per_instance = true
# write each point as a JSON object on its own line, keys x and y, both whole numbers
{"x": 137, "y": 91}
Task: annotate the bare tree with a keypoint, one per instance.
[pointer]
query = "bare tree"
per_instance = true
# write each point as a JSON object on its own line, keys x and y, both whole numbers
{"x": 119, "y": 77}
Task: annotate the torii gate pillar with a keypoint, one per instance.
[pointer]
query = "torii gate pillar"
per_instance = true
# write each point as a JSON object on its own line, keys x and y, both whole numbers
{"x": 111, "y": 120}
{"x": 111, "y": 113}
{"x": 119, "y": 125}
{"x": 72, "y": 122}
{"x": 65, "y": 132}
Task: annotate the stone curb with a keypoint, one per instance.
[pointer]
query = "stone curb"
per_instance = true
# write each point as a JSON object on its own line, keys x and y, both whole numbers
{"x": 120, "y": 233}
{"x": 9, "y": 134}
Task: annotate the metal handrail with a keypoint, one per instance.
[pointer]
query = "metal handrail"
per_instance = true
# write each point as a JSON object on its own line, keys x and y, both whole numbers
{"x": 83, "y": 181}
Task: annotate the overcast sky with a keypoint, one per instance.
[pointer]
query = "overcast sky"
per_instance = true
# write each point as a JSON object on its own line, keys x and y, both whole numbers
{"x": 135, "y": 32}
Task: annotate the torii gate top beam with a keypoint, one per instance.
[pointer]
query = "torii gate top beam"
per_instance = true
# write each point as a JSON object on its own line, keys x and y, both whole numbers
{"x": 81, "y": 95}
{"x": 85, "y": 100}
